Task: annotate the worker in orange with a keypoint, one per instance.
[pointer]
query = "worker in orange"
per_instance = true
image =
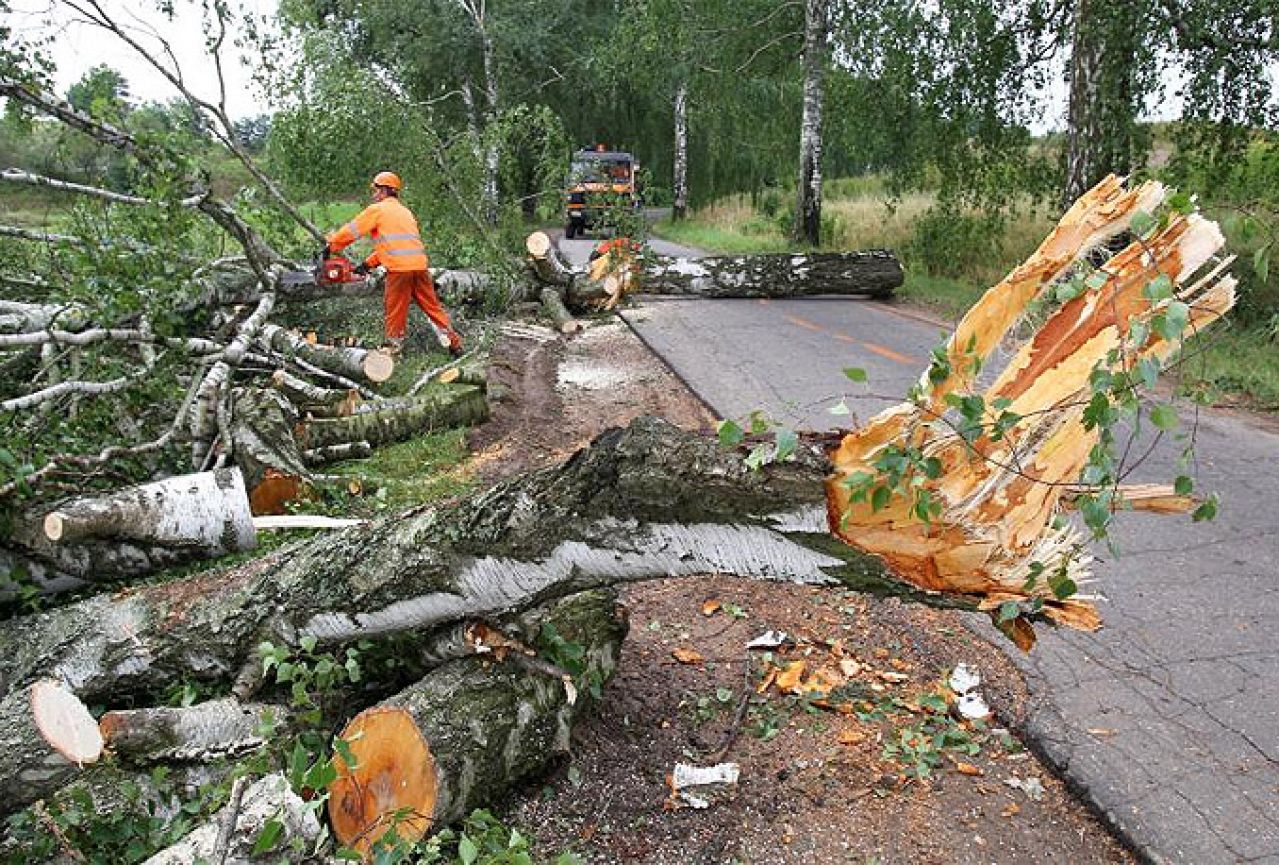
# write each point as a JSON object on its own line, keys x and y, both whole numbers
{"x": 397, "y": 246}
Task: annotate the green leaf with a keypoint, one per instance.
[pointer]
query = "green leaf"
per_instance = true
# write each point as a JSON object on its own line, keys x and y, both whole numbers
{"x": 1181, "y": 202}
{"x": 467, "y": 852}
{"x": 269, "y": 836}
{"x": 1207, "y": 510}
{"x": 1164, "y": 417}
{"x": 1261, "y": 263}
{"x": 730, "y": 434}
{"x": 841, "y": 408}
{"x": 1142, "y": 223}
{"x": 787, "y": 441}
{"x": 307, "y": 643}
{"x": 855, "y": 373}
{"x": 1064, "y": 587}
{"x": 1159, "y": 288}
{"x": 880, "y": 497}
{"x": 1097, "y": 279}
{"x": 1183, "y": 485}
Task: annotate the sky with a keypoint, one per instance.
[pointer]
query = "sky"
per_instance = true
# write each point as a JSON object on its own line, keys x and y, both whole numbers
{"x": 78, "y": 47}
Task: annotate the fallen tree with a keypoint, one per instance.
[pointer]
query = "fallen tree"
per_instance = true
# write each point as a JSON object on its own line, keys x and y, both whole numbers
{"x": 876, "y": 273}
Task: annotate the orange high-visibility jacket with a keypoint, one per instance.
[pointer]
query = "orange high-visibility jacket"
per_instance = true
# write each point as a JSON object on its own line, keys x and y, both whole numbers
{"x": 397, "y": 245}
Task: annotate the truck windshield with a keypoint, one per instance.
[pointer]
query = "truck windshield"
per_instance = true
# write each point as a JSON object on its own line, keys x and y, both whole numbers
{"x": 600, "y": 171}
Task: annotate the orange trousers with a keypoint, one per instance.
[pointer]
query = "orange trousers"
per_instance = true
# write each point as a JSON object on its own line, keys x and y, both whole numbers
{"x": 416, "y": 286}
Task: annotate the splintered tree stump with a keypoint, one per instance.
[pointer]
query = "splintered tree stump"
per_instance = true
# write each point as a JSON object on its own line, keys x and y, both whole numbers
{"x": 996, "y": 532}
{"x": 354, "y": 363}
{"x": 144, "y": 528}
{"x": 46, "y": 737}
{"x": 448, "y": 744}
{"x": 396, "y": 420}
{"x": 263, "y": 446}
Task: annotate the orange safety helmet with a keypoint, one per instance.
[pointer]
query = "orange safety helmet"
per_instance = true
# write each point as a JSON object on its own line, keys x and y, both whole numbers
{"x": 388, "y": 178}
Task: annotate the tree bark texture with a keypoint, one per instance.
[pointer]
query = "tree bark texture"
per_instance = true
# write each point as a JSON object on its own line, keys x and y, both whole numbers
{"x": 679, "y": 179}
{"x": 553, "y": 303}
{"x": 389, "y": 421}
{"x": 874, "y": 272}
{"x": 265, "y": 451}
{"x": 1105, "y": 60}
{"x": 547, "y": 261}
{"x": 808, "y": 206}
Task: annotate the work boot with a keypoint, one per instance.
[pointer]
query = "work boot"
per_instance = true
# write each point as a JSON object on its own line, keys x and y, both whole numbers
{"x": 455, "y": 345}
{"x": 393, "y": 347}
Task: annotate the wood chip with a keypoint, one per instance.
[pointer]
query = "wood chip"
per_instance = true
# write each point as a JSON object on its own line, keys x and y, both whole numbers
{"x": 710, "y": 607}
{"x": 688, "y": 656}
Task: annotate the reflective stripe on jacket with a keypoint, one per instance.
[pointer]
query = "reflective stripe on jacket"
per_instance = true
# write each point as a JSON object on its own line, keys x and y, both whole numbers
{"x": 397, "y": 245}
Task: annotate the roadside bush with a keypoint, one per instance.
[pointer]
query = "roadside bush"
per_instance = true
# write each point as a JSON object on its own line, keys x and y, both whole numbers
{"x": 946, "y": 242}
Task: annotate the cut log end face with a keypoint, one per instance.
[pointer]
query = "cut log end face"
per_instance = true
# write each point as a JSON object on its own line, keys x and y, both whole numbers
{"x": 65, "y": 722}
{"x": 392, "y": 783}
{"x": 378, "y": 366}
{"x": 274, "y": 492}
{"x": 53, "y": 526}
{"x": 537, "y": 244}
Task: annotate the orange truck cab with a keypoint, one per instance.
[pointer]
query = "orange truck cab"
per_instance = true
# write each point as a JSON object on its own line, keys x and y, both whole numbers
{"x": 599, "y": 181}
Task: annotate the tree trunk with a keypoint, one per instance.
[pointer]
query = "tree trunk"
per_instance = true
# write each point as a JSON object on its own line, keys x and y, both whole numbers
{"x": 1101, "y": 132}
{"x": 553, "y": 303}
{"x": 200, "y": 733}
{"x": 874, "y": 272}
{"x": 355, "y": 363}
{"x": 141, "y": 529}
{"x": 808, "y": 206}
{"x": 469, "y": 729}
{"x": 389, "y": 421}
{"x": 26, "y": 573}
{"x": 679, "y": 180}
{"x": 262, "y": 443}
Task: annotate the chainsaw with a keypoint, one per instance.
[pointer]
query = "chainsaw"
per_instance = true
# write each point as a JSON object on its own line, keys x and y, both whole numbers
{"x": 331, "y": 270}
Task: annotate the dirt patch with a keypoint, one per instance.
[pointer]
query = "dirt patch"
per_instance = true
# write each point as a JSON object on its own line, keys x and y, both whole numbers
{"x": 881, "y": 770}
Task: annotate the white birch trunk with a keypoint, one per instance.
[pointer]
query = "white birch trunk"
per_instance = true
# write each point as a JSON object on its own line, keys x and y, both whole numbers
{"x": 808, "y": 207}
{"x": 679, "y": 182}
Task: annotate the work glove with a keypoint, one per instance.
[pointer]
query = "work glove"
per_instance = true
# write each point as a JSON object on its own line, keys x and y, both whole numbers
{"x": 362, "y": 269}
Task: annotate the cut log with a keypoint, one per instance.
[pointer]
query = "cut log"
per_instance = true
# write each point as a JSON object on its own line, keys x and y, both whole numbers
{"x": 548, "y": 264}
{"x": 429, "y": 755}
{"x": 201, "y": 733}
{"x": 27, "y": 574}
{"x": 1000, "y": 495}
{"x": 313, "y": 399}
{"x": 335, "y": 453}
{"x": 46, "y": 737}
{"x": 648, "y": 502}
{"x": 265, "y": 451}
{"x": 145, "y": 528}
{"x": 357, "y": 363}
{"x": 389, "y": 421}
{"x": 553, "y": 303}
{"x": 269, "y": 800}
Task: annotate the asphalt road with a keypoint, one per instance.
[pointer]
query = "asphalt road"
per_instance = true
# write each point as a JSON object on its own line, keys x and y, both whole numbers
{"x": 1168, "y": 718}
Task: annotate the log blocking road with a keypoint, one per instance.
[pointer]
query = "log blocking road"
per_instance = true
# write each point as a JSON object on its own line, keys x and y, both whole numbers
{"x": 1167, "y": 720}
